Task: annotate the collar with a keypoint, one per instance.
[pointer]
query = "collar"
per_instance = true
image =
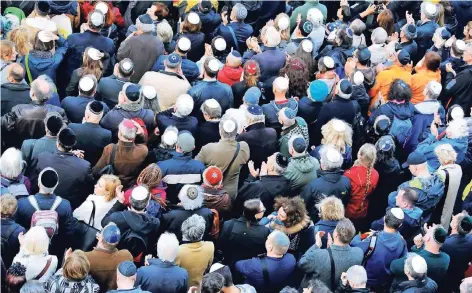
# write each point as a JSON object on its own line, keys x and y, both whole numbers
{"x": 90, "y": 124}
{"x": 126, "y": 143}
{"x": 63, "y": 154}
{"x": 107, "y": 251}
{"x": 255, "y": 126}
{"x": 171, "y": 74}
{"x": 41, "y": 54}
{"x": 269, "y": 48}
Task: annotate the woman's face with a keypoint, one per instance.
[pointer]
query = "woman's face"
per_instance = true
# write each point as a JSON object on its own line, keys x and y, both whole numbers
{"x": 467, "y": 31}
{"x": 99, "y": 188}
{"x": 281, "y": 215}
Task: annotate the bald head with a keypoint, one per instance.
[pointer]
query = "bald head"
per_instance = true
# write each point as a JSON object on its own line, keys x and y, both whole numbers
{"x": 16, "y": 73}
{"x": 40, "y": 90}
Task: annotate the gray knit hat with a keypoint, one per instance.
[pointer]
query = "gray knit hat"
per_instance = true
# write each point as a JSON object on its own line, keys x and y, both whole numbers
{"x": 430, "y": 10}
{"x": 241, "y": 11}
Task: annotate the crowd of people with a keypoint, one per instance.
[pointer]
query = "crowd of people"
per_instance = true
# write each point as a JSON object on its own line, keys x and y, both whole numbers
{"x": 236, "y": 146}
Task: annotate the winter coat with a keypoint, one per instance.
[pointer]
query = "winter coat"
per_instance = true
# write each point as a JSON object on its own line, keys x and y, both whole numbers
{"x": 196, "y": 258}
{"x": 238, "y": 241}
{"x": 217, "y": 199}
{"x": 427, "y": 146}
{"x": 424, "y": 37}
{"x": 301, "y": 170}
{"x": 326, "y": 226}
{"x": 197, "y": 41}
{"x": 60, "y": 284}
{"x": 271, "y": 111}
{"x": 300, "y": 128}
{"x": 358, "y": 202}
{"x": 410, "y": 227}
{"x": 271, "y": 60}
{"x": 416, "y": 286}
{"x": 420, "y": 80}
{"x": 168, "y": 118}
{"x": 45, "y": 62}
{"x": 32, "y": 148}
{"x": 412, "y": 48}
{"x": 14, "y": 94}
{"x": 83, "y": 212}
{"x": 262, "y": 142}
{"x": 210, "y": 21}
{"x": 108, "y": 89}
{"x": 172, "y": 221}
{"x": 303, "y": 10}
{"x": 35, "y": 263}
{"x": 389, "y": 246}
{"x": 207, "y": 132}
{"x": 328, "y": 183}
{"x": 309, "y": 110}
{"x": 162, "y": 277}
{"x": 455, "y": 176}
{"x": 169, "y": 86}
{"x": 458, "y": 248}
{"x": 92, "y": 139}
{"x": 359, "y": 94}
{"x": 75, "y": 107}
{"x": 462, "y": 9}
{"x": 230, "y": 75}
{"x": 369, "y": 77}
{"x": 242, "y": 32}
{"x": 113, "y": 118}
{"x": 76, "y": 180}
{"x": 210, "y": 89}
{"x": 10, "y": 232}
{"x": 189, "y": 68}
{"x": 458, "y": 91}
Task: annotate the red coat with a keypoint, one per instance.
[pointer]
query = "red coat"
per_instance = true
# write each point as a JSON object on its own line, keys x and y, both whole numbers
{"x": 230, "y": 75}
{"x": 358, "y": 203}
{"x": 87, "y": 7}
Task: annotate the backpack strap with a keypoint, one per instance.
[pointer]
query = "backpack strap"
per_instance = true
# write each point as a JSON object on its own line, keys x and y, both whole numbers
{"x": 28, "y": 72}
{"x": 32, "y": 200}
{"x": 235, "y": 40}
{"x": 91, "y": 221}
{"x": 371, "y": 248}
{"x": 265, "y": 272}
{"x": 333, "y": 271}
{"x": 238, "y": 146}
{"x": 44, "y": 270}
{"x": 446, "y": 182}
{"x": 56, "y": 203}
{"x": 11, "y": 230}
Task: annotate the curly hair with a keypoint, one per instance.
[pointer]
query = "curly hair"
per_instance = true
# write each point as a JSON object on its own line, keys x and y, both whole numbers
{"x": 298, "y": 77}
{"x": 151, "y": 176}
{"x": 294, "y": 208}
{"x": 19, "y": 36}
{"x": 339, "y": 139}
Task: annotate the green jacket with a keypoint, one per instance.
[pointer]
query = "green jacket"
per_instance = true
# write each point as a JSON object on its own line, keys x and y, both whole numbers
{"x": 301, "y": 171}
{"x": 303, "y": 10}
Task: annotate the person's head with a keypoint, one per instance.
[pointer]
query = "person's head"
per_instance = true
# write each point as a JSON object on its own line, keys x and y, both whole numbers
{"x": 408, "y": 32}
{"x": 466, "y": 285}
{"x": 331, "y": 209}
{"x": 399, "y": 91}
{"x": 317, "y": 286}
{"x": 253, "y": 210}
{"x": 304, "y": 28}
{"x": 15, "y": 278}
{"x": 385, "y": 147}
{"x": 435, "y": 238}
{"x": 282, "y": 24}
{"x": 211, "y": 66}
{"x": 457, "y": 128}
{"x": 127, "y": 130}
{"x": 94, "y": 112}
{"x": 185, "y": 142}
{"x": 238, "y": 13}
{"x": 151, "y": 176}
{"x": 7, "y": 51}
{"x": 367, "y": 155}
{"x": 432, "y": 61}
{"x": 40, "y": 90}
{"x": 394, "y": 218}
{"x": 193, "y": 229}
{"x": 429, "y": 11}
{"x": 234, "y": 59}
{"x": 139, "y": 198}
{"x": 362, "y": 55}
{"x": 280, "y": 86}
{"x": 124, "y": 69}
{"x": 446, "y": 154}
{"x": 455, "y": 112}
{"x": 315, "y": 16}
{"x": 183, "y": 105}
{"x": 8, "y": 204}
{"x": 158, "y": 11}
{"x": 44, "y": 41}
{"x": 287, "y": 117}
{"x": 357, "y": 277}
{"x": 358, "y": 27}
{"x": 126, "y": 275}
{"x": 461, "y": 223}
{"x": 212, "y": 176}
{"x": 35, "y": 241}
{"x": 297, "y": 72}
{"x": 468, "y": 31}
{"x": 212, "y": 283}
{"x": 344, "y": 232}
{"x": 191, "y": 197}
{"x": 337, "y": 133}
{"x": 254, "y": 114}
{"x": 406, "y": 198}
{"x": 318, "y": 91}
{"x": 432, "y": 90}
{"x": 105, "y": 8}
{"x": 106, "y": 186}
{"x": 109, "y": 237}
{"x": 277, "y": 243}
{"x": 272, "y": 37}
{"x": 164, "y": 32}
{"x": 15, "y": 73}
{"x": 291, "y": 211}
{"x": 288, "y": 289}
{"x": 386, "y": 21}
{"x": 92, "y": 62}
{"x": 251, "y": 73}
{"x": 297, "y": 145}
{"x": 218, "y": 47}
{"x": 11, "y": 163}
{"x": 192, "y": 23}
{"x": 331, "y": 158}
{"x": 458, "y": 48}
{"x": 76, "y": 267}
{"x": 205, "y": 6}
{"x": 277, "y": 164}
{"x": 19, "y": 36}
{"x": 33, "y": 286}
{"x": 88, "y": 85}
{"x": 66, "y": 140}
{"x": 182, "y": 46}
{"x": 150, "y": 99}
{"x": 379, "y": 36}
{"x": 228, "y": 128}
{"x": 344, "y": 37}
{"x": 415, "y": 267}
{"x": 42, "y": 8}
{"x": 167, "y": 247}
{"x": 225, "y": 271}
{"x": 211, "y": 109}
{"x": 48, "y": 180}
{"x": 169, "y": 137}
{"x": 96, "y": 20}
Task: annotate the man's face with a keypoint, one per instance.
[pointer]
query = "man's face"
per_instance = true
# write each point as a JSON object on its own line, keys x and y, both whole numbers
{"x": 467, "y": 55}
{"x": 412, "y": 169}
{"x": 399, "y": 202}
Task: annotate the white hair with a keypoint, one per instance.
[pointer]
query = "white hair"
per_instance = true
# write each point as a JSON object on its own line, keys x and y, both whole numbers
{"x": 379, "y": 36}
{"x": 193, "y": 228}
{"x": 36, "y": 241}
{"x": 272, "y": 37}
{"x": 315, "y": 16}
{"x": 280, "y": 84}
{"x": 127, "y": 133}
{"x": 357, "y": 276}
{"x": 445, "y": 153}
{"x": 225, "y": 134}
{"x": 457, "y": 128}
{"x": 167, "y": 247}
{"x": 191, "y": 204}
{"x": 183, "y": 105}
{"x": 11, "y": 163}
{"x": 164, "y": 32}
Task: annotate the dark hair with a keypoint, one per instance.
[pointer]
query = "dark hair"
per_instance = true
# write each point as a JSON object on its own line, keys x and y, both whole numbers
{"x": 307, "y": 58}
{"x": 162, "y": 11}
{"x": 410, "y": 195}
{"x": 217, "y": 54}
{"x": 212, "y": 283}
{"x": 432, "y": 60}
{"x": 449, "y": 111}
{"x": 391, "y": 221}
{"x": 386, "y": 21}
{"x": 294, "y": 208}
{"x": 15, "y": 278}
{"x": 207, "y": 69}
{"x": 42, "y": 46}
{"x": 251, "y": 209}
{"x": 139, "y": 205}
{"x": 399, "y": 91}
{"x": 318, "y": 286}
{"x": 346, "y": 41}
{"x": 188, "y": 27}
{"x": 226, "y": 273}
{"x": 298, "y": 77}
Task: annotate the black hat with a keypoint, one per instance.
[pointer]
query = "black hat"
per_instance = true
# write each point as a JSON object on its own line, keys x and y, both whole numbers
{"x": 43, "y": 6}
{"x": 205, "y": 6}
{"x": 404, "y": 57}
{"x": 133, "y": 92}
{"x": 439, "y": 235}
{"x": 281, "y": 160}
{"x": 415, "y": 158}
{"x": 466, "y": 224}
{"x": 95, "y": 107}
{"x": 299, "y": 145}
{"x": 66, "y": 137}
{"x": 382, "y": 125}
{"x": 48, "y": 178}
{"x": 344, "y": 89}
{"x": 54, "y": 124}
{"x": 363, "y": 55}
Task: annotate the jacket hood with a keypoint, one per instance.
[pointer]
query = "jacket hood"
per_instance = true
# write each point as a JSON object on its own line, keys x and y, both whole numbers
{"x": 66, "y": 7}
{"x": 327, "y": 223}
{"x": 332, "y": 176}
{"x": 16, "y": 86}
{"x": 294, "y": 229}
{"x": 414, "y": 213}
{"x": 401, "y": 111}
{"x": 369, "y": 75}
{"x": 418, "y": 286}
{"x": 427, "y": 107}
{"x": 305, "y": 163}
{"x": 142, "y": 223}
{"x": 455, "y": 62}
{"x": 231, "y": 73}
{"x": 391, "y": 240}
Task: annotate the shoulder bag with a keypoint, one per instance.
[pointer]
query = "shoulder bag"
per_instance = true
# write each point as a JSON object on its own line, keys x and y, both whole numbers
{"x": 86, "y": 233}
{"x": 333, "y": 270}
{"x": 232, "y": 160}
{"x": 235, "y": 40}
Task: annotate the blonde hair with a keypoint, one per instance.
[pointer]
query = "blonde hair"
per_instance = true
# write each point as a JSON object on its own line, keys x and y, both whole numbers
{"x": 36, "y": 241}
{"x": 6, "y": 49}
{"x": 469, "y": 27}
{"x": 338, "y": 139}
{"x": 284, "y": 34}
{"x": 331, "y": 208}
{"x": 8, "y": 205}
{"x": 76, "y": 267}
{"x": 19, "y": 36}
{"x": 111, "y": 182}
{"x": 445, "y": 153}
{"x": 366, "y": 157}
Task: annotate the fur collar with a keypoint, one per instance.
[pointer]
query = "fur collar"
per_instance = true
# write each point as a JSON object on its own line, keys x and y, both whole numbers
{"x": 306, "y": 222}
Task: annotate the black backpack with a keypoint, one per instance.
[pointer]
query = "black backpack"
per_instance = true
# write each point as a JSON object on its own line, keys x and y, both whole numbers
{"x": 5, "y": 237}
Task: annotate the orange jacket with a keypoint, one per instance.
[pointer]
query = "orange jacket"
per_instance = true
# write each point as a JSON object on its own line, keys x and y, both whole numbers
{"x": 419, "y": 82}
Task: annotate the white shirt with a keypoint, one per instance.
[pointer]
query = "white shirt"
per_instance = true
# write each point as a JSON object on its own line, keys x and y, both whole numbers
{"x": 102, "y": 207}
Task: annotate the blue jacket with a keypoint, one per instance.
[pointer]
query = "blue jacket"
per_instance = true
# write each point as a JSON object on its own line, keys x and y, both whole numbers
{"x": 271, "y": 111}
{"x": 66, "y": 7}
{"x": 197, "y": 48}
{"x": 108, "y": 89}
{"x": 389, "y": 246}
{"x": 113, "y": 118}
{"x": 210, "y": 21}
{"x": 92, "y": 139}
{"x": 411, "y": 223}
{"x": 271, "y": 60}
{"x": 400, "y": 111}
{"x": 10, "y": 231}
{"x": 411, "y": 47}
{"x": 44, "y": 62}
{"x": 242, "y": 32}
{"x": 167, "y": 118}
{"x": 415, "y": 286}
{"x": 328, "y": 183}
{"x": 32, "y": 148}
{"x": 421, "y": 123}
{"x": 309, "y": 109}
{"x": 162, "y": 277}
{"x": 189, "y": 68}
{"x": 463, "y": 10}
{"x": 429, "y": 144}
{"x": 458, "y": 247}
{"x": 326, "y": 226}
{"x": 424, "y": 37}
{"x": 75, "y": 107}
{"x": 206, "y": 90}
{"x": 280, "y": 270}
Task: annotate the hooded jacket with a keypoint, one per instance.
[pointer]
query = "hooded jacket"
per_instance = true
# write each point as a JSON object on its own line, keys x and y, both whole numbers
{"x": 13, "y": 94}
{"x": 402, "y": 111}
{"x": 230, "y": 75}
{"x": 410, "y": 227}
{"x": 416, "y": 286}
{"x": 427, "y": 147}
{"x": 272, "y": 109}
{"x": 298, "y": 128}
{"x": 301, "y": 170}
{"x": 218, "y": 199}
{"x": 167, "y": 118}
{"x": 161, "y": 276}
{"x": 210, "y": 89}
{"x": 329, "y": 182}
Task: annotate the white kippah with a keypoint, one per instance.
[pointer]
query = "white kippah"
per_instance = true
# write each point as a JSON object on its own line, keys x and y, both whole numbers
{"x": 126, "y": 65}
{"x": 212, "y": 103}
{"x": 435, "y": 87}
{"x": 86, "y": 83}
{"x": 282, "y": 83}
{"x": 333, "y": 155}
{"x": 430, "y": 8}
{"x": 216, "y": 266}
{"x": 45, "y": 36}
{"x": 94, "y": 54}
{"x": 139, "y": 193}
{"x": 457, "y": 113}
{"x": 97, "y": 19}
{"x": 229, "y": 126}
{"x": 169, "y": 137}
{"x": 193, "y": 18}
{"x": 358, "y": 78}
{"x": 419, "y": 264}
{"x": 184, "y": 44}
{"x": 149, "y": 92}
{"x": 103, "y": 7}
{"x": 220, "y": 44}
{"x": 398, "y": 213}
{"x": 328, "y": 62}
{"x": 339, "y": 125}
{"x": 460, "y": 44}
{"x": 332, "y": 36}
{"x": 283, "y": 23}
{"x": 307, "y": 46}
{"x": 213, "y": 65}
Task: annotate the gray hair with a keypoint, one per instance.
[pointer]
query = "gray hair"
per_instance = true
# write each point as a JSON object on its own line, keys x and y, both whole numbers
{"x": 191, "y": 204}
{"x": 32, "y": 286}
{"x": 11, "y": 163}
{"x": 164, "y": 32}
{"x": 228, "y": 135}
{"x": 251, "y": 119}
{"x": 127, "y": 133}
{"x": 465, "y": 287}
{"x": 183, "y": 105}
{"x": 357, "y": 276}
{"x": 346, "y": 230}
{"x": 315, "y": 16}
{"x": 409, "y": 266}
{"x": 358, "y": 27}
{"x": 445, "y": 153}
{"x": 213, "y": 113}
{"x": 280, "y": 241}
{"x": 325, "y": 162}
{"x": 90, "y": 92}
{"x": 39, "y": 90}
{"x": 167, "y": 247}
{"x": 52, "y": 85}
{"x": 379, "y": 36}
{"x": 236, "y": 9}
{"x": 272, "y": 37}
{"x": 193, "y": 228}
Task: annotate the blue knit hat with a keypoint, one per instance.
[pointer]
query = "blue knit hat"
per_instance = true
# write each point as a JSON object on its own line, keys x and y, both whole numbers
{"x": 255, "y": 110}
{"x": 318, "y": 90}
{"x": 252, "y": 96}
{"x": 289, "y": 113}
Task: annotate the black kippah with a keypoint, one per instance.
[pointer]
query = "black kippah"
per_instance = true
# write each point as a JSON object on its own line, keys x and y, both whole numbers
{"x": 440, "y": 235}
{"x": 281, "y": 160}
{"x": 96, "y": 107}
{"x": 49, "y": 178}
{"x": 54, "y": 124}
{"x": 67, "y": 137}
